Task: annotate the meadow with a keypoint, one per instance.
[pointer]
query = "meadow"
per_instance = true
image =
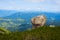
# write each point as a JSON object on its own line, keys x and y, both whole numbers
{"x": 42, "y": 33}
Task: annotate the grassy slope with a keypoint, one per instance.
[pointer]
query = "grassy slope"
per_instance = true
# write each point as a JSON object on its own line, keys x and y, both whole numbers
{"x": 42, "y": 33}
{"x": 4, "y": 31}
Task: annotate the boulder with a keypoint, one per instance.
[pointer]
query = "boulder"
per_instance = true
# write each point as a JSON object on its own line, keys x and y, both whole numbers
{"x": 38, "y": 21}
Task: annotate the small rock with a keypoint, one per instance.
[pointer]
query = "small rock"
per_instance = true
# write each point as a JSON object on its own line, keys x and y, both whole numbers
{"x": 52, "y": 26}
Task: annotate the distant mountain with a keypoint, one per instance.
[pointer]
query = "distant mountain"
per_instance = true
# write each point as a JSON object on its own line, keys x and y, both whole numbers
{"x": 4, "y": 13}
{"x": 55, "y": 17}
{"x": 22, "y": 20}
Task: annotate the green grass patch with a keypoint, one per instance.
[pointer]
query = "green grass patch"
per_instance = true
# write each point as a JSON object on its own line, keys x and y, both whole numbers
{"x": 42, "y": 33}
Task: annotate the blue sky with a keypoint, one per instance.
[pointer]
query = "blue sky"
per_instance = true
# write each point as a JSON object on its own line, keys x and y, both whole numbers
{"x": 27, "y": 5}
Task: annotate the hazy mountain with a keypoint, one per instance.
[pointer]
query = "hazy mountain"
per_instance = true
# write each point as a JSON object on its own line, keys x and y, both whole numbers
{"x": 4, "y": 13}
{"x": 28, "y": 15}
{"x": 22, "y": 20}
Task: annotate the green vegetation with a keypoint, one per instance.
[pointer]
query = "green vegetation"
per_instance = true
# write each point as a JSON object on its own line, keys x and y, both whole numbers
{"x": 42, "y": 33}
{"x": 4, "y": 31}
{"x": 11, "y": 23}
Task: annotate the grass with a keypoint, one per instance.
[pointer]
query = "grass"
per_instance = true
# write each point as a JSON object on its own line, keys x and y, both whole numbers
{"x": 4, "y": 31}
{"x": 42, "y": 33}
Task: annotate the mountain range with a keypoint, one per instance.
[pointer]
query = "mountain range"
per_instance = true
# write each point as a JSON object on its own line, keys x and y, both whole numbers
{"x": 28, "y": 15}
{"x": 22, "y": 20}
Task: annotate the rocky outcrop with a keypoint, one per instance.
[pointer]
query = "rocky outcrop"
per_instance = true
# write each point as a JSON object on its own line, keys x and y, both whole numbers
{"x": 38, "y": 21}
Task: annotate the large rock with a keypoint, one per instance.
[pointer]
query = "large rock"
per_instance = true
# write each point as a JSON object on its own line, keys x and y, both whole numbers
{"x": 38, "y": 21}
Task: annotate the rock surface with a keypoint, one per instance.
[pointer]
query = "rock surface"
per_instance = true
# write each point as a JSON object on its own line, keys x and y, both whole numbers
{"x": 38, "y": 21}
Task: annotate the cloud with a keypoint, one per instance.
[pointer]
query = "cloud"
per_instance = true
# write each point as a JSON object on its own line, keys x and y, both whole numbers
{"x": 57, "y": 2}
{"x": 35, "y": 1}
{"x": 44, "y": 5}
{"x": 28, "y": 8}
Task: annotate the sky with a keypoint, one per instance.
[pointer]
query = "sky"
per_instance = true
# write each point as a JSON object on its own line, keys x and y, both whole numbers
{"x": 28, "y": 5}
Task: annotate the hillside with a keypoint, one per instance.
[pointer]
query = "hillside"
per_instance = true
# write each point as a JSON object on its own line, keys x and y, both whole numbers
{"x": 28, "y": 15}
{"x": 42, "y": 33}
{"x": 4, "y": 13}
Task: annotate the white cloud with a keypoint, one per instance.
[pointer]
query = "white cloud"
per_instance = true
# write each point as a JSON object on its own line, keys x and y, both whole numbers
{"x": 34, "y": 1}
{"x": 56, "y": 2}
{"x": 45, "y": 5}
{"x": 28, "y": 8}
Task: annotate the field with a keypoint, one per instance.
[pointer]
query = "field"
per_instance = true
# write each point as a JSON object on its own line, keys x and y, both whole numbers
{"x": 42, "y": 33}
